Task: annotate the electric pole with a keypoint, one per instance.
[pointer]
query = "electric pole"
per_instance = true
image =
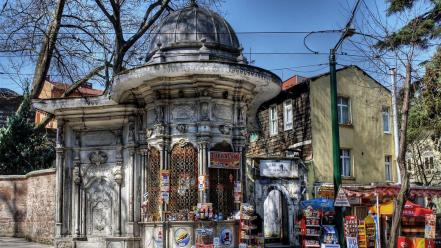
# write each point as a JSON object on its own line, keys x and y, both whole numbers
{"x": 347, "y": 32}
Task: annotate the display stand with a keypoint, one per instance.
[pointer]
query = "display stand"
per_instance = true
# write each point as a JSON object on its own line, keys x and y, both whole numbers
{"x": 247, "y": 228}
{"x": 310, "y": 228}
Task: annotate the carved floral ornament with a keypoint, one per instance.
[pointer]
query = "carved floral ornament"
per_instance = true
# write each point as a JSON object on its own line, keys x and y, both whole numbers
{"x": 98, "y": 157}
{"x": 182, "y": 128}
{"x": 225, "y": 129}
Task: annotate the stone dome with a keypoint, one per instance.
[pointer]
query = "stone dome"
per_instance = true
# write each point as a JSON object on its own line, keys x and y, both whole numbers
{"x": 194, "y": 33}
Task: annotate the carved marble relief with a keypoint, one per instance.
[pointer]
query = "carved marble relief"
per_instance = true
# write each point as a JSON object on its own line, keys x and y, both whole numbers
{"x": 100, "y": 207}
{"x": 222, "y": 112}
{"x": 183, "y": 112}
{"x": 204, "y": 111}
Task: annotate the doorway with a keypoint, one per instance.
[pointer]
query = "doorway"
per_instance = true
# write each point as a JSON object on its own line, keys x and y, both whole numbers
{"x": 275, "y": 224}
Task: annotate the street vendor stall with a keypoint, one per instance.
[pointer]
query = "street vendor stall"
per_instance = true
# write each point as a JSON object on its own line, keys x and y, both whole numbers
{"x": 317, "y": 227}
{"x": 417, "y": 224}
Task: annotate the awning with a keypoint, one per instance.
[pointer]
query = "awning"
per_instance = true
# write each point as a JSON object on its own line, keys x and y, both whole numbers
{"x": 410, "y": 209}
{"x": 390, "y": 191}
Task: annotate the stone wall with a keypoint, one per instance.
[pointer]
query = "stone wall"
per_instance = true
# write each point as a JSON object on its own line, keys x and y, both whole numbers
{"x": 27, "y": 206}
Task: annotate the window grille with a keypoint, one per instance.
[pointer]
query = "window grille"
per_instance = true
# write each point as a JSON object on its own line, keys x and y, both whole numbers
{"x": 153, "y": 188}
{"x": 221, "y": 190}
{"x": 183, "y": 178}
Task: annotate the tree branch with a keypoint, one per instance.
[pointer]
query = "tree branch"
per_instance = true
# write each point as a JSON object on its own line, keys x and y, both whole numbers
{"x": 72, "y": 88}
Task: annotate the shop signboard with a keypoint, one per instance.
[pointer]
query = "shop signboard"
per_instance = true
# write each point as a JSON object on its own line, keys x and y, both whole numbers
{"x": 278, "y": 168}
{"x": 224, "y": 160}
{"x": 430, "y": 228}
{"x": 226, "y": 237}
{"x": 182, "y": 237}
{"x": 351, "y": 242}
{"x": 204, "y": 238}
{"x": 341, "y": 200}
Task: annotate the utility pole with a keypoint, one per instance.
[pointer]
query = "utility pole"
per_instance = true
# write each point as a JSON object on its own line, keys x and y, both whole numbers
{"x": 335, "y": 144}
{"x": 393, "y": 77}
{"x": 348, "y": 31}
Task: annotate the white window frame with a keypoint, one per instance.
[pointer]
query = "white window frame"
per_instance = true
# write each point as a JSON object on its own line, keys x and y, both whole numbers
{"x": 345, "y": 156}
{"x": 287, "y": 115}
{"x": 273, "y": 120}
{"x": 385, "y": 111}
{"x": 388, "y": 168}
{"x": 340, "y": 112}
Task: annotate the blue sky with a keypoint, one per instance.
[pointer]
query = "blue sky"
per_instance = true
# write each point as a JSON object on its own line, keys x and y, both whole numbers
{"x": 287, "y": 16}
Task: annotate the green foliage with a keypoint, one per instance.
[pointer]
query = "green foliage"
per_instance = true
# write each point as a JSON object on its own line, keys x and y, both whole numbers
{"x": 22, "y": 149}
{"x": 425, "y": 111}
{"x": 399, "y": 5}
{"x": 418, "y": 31}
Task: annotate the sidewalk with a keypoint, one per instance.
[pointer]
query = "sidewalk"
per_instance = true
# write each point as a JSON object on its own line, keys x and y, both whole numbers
{"x": 8, "y": 242}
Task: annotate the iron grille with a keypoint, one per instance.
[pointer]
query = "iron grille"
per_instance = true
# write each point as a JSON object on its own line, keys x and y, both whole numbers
{"x": 153, "y": 188}
{"x": 221, "y": 190}
{"x": 183, "y": 178}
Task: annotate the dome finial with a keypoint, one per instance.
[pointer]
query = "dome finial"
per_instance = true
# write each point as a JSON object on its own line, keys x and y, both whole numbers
{"x": 193, "y": 3}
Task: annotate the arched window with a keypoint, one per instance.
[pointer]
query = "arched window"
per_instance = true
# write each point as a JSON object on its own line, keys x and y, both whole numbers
{"x": 153, "y": 188}
{"x": 183, "y": 178}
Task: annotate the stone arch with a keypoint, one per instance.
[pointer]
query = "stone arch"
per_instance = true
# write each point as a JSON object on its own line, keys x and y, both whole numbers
{"x": 290, "y": 207}
{"x": 223, "y": 146}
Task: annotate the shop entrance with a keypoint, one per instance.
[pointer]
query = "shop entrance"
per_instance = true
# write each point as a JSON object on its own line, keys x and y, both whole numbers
{"x": 275, "y": 225}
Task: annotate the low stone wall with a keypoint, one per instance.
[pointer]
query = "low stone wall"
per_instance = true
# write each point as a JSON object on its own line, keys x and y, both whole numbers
{"x": 27, "y": 206}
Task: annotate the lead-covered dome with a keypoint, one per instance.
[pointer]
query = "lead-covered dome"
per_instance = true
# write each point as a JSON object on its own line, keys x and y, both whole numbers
{"x": 194, "y": 33}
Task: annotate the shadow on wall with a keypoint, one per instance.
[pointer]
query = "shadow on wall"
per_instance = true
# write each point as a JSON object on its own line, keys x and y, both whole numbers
{"x": 27, "y": 205}
{"x": 11, "y": 216}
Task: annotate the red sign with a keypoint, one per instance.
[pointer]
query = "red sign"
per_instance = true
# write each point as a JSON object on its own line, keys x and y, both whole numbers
{"x": 224, "y": 160}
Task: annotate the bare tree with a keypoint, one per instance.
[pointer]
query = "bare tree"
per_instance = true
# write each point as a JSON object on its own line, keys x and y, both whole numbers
{"x": 80, "y": 40}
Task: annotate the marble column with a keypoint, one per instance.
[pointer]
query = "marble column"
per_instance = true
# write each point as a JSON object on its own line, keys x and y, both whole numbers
{"x": 164, "y": 160}
{"x": 76, "y": 175}
{"x": 203, "y": 194}
{"x": 59, "y": 178}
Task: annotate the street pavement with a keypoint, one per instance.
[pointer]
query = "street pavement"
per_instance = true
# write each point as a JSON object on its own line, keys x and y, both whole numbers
{"x": 7, "y": 242}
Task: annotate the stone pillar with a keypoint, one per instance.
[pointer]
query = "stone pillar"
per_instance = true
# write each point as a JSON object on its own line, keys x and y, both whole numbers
{"x": 164, "y": 164}
{"x": 131, "y": 184}
{"x": 143, "y": 171}
{"x": 118, "y": 178}
{"x": 76, "y": 176}
{"x": 239, "y": 147}
{"x": 203, "y": 195}
{"x": 59, "y": 179}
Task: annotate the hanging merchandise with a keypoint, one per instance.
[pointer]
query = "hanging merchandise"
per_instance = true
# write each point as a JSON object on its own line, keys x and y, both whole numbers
{"x": 430, "y": 229}
{"x": 351, "y": 231}
{"x": 362, "y": 234}
{"x": 370, "y": 231}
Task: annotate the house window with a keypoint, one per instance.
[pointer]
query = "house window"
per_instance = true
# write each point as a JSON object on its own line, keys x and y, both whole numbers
{"x": 428, "y": 163}
{"x": 345, "y": 160}
{"x": 344, "y": 110}
{"x": 287, "y": 115}
{"x": 388, "y": 167}
{"x": 386, "y": 120}
{"x": 273, "y": 120}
